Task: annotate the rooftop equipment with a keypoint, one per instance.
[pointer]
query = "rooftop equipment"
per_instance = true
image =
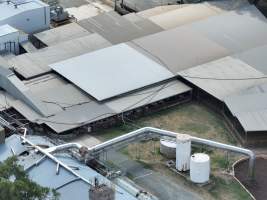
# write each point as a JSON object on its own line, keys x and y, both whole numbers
{"x": 27, "y": 16}
{"x": 199, "y": 168}
{"x": 101, "y": 192}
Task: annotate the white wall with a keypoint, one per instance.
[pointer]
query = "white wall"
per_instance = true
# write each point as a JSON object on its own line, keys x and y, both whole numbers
{"x": 30, "y": 21}
{"x": 10, "y": 43}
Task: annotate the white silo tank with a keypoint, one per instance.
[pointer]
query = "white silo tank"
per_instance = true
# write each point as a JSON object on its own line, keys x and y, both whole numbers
{"x": 183, "y": 152}
{"x": 199, "y": 168}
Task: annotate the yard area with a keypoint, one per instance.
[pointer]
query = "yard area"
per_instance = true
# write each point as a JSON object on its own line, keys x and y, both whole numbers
{"x": 194, "y": 119}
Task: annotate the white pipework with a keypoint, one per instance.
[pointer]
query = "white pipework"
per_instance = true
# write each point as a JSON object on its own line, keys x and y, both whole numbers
{"x": 58, "y": 162}
{"x": 64, "y": 147}
{"x": 240, "y": 150}
{"x": 155, "y": 131}
{"x": 150, "y": 131}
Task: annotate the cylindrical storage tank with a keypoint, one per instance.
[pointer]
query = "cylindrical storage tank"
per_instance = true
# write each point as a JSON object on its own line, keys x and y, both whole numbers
{"x": 200, "y": 168}
{"x": 168, "y": 147}
{"x": 183, "y": 152}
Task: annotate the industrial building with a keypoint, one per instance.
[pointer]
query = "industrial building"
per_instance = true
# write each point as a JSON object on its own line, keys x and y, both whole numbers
{"x": 24, "y": 15}
{"x": 110, "y": 69}
{"x": 79, "y": 58}
{"x": 70, "y": 177}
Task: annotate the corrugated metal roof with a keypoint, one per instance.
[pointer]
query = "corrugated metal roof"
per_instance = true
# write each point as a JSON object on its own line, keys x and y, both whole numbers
{"x": 225, "y": 68}
{"x": 117, "y": 29}
{"x": 255, "y": 57}
{"x": 253, "y": 121}
{"x": 250, "y": 107}
{"x": 138, "y": 5}
{"x": 159, "y": 10}
{"x": 245, "y": 28}
{"x": 180, "y": 48}
{"x": 77, "y": 116}
{"x": 112, "y": 71}
{"x": 56, "y": 93}
{"x": 184, "y": 15}
{"x": 147, "y": 96}
{"x": 36, "y": 63}
{"x": 246, "y": 103}
{"x": 61, "y": 34}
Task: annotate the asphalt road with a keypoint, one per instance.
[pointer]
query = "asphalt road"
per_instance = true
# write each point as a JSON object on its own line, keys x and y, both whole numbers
{"x": 157, "y": 184}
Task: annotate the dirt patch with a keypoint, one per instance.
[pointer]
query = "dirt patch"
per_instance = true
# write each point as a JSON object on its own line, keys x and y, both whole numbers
{"x": 259, "y": 185}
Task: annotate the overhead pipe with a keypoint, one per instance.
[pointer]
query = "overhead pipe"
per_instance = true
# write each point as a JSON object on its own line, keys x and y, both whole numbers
{"x": 160, "y": 132}
{"x": 149, "y": 131}
{"x": 240, "y": 150}
{"x": 64, "y": 147}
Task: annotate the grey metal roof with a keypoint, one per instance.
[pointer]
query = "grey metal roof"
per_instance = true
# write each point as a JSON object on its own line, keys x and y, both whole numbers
{"x": 61, "y": 34}
{"x": 117, "y": 29}
{"x": 77, "y": 116}
{"x": 225, "y": 68}
{"x": 56, "y": 93}
{"x": 68, "y": 185}
{"x": 159, "y": 10}
{"x": 147, "y": 96}
{"x": 180, "y": 48}
{"x": 112, "y": 71}
{"x": 15, "y": 87}
{"x": 250, "y": 107}
{"x": 246, "y": 103}
{"x": 36, "y": 63}
{"x": 72, "y": 108}
{"x": 255, "y": 57}
{"x": 188, "y": 14}
{"x": 245, "y": 28}
{"x": 144, "y": 5}
{"x": 253, "y": 121}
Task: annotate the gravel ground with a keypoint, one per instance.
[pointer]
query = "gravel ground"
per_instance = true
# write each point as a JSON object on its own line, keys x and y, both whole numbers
{"x": 258, "y": 187}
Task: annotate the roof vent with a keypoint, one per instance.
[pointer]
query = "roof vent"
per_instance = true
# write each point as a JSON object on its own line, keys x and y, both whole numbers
{"x": 101, "y": 191}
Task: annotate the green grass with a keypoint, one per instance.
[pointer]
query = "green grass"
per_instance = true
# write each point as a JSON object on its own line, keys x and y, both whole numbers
{"x": 114, "y": 132}
{"x": 230, "y": 188}
{"x": 195, "y": 127}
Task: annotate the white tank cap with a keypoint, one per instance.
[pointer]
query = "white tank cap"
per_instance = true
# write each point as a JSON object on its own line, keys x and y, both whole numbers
{"x": 183, "y": 137}
{"x": 200, "y": 157}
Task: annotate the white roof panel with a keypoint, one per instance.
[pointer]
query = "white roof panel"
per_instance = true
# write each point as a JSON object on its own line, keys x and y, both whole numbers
{"x": 112, "y": 71}
{"x": 6, "y": 29}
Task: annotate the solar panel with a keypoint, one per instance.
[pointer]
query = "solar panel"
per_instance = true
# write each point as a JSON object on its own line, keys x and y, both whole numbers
{"x": 112, "y": 71}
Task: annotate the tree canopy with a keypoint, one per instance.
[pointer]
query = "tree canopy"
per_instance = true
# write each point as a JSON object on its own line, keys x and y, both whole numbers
{"x": 16, "y": 185}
